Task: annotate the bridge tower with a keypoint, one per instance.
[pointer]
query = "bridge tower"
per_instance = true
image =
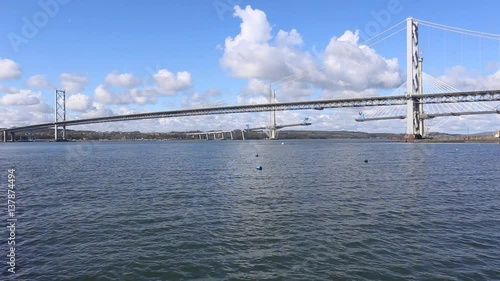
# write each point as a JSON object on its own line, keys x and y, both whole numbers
{"x": 414, "y": 123}
{"x": 60, "y": 113}
{"x": 273, "y": 134}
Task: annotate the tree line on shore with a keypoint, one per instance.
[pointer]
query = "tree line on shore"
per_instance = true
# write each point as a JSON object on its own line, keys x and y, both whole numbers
{"x": 77, "y": 135}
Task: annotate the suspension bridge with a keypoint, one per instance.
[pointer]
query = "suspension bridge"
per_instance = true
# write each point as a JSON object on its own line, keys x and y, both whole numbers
{"x": 419, "y": 96}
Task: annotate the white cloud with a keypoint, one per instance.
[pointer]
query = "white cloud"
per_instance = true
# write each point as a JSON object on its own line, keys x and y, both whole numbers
{"x": 73, "y": 83}
{"x": 41, "y": 108}
{"x": 199, "y": 100}
{"x": 163, "y": 82}
{"x": 464, "y": 80}
{"x": 104, "y": 95}
{"x": 8, "y": 90}
{"x": 242, "y": 99}
{"x": 39, "y": 81}
{"x": 126, "y": 111}
{"x": 9, "y": 69}
{"x": 256, "y": 87}
{"x": 354, "y": 67}
{"x": 23, "y": 97}
{"x": 25, "y": 115}
{"x": 170, "y": 83}
{"x": 288, "y": 39}
{"x": 253, "y": 54}
{"x": 294, "y": 91}
{"x": 124, "y": 80}
{"x": 21, "y": 107}
{"x": 78, "y": 102}
{"x": 249, "y": 54}
{"x": 97, "y": 110}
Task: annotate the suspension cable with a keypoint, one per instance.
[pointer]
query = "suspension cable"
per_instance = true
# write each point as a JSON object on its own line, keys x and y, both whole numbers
{"x": 460, "y": 30}
{"x": 379, "y": 34}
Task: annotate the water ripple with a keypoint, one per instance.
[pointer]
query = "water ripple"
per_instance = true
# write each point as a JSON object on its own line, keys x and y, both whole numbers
{"x": 201, "y": 211}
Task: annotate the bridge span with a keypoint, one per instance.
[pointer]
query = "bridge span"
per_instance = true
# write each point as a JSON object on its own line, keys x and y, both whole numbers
{"x": 472, "y": 96}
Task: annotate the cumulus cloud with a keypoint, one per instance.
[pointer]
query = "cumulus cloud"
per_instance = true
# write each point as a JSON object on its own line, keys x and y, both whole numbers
{"x": 21, "y": 107}
{"x": 41, "y": 108}
{"x": 25, "y": 115}
{"x": 73, "y": 83}
{"x": 162, "y": 83}
{"x": 347, "y": 65}
{"x": 288, "y": 39}
{"x": 78, "y": 102}
{"x": 358, "y": 67}
{"x": 8, "y": 90}
{"x": 124, "y": 80}
{"x": 9, "y": 69}
{"x": 249, "y": 54}
{"x": 104, "y": 95}
{"x": 256, "y": 87}
{"x": 39, "y": 81}
{"x": 23, "y": 97}
{"x": 97, "y": 110}
{"x": 170, "y": 83}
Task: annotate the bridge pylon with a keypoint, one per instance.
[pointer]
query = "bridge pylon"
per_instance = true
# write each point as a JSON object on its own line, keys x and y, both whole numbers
{"x": 414, "y": 105}
{"x": 60, "y": 114}
{"x": 273, "y": 132}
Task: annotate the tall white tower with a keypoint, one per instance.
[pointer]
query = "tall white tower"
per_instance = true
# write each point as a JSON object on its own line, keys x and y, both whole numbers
{"x": 414, "y": 126}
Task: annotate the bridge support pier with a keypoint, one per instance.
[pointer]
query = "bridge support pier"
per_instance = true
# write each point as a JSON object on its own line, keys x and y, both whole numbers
{"x": 414, "y": 105}
{"x": 420, "y": 100}
{"x": 4, "y": 136}
{"x": 60, "y": 114}
{"x": 272, "y": 130}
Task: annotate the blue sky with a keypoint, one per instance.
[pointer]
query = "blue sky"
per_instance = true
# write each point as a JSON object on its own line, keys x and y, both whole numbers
{"x": 135, "y": 56}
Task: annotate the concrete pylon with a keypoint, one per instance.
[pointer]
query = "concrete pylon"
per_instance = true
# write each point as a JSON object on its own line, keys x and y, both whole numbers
{"x": 272, "y": 130}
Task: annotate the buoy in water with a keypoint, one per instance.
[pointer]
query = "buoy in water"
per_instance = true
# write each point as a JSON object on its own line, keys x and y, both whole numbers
{"x": 259, "y": 167}
{"x": 282, "y": 143}
{"x": 256, "y": 155}
{"x": 366, "y": 161}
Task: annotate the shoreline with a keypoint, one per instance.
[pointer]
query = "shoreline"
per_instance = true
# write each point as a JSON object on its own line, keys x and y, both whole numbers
{"x": 424, "y": 140}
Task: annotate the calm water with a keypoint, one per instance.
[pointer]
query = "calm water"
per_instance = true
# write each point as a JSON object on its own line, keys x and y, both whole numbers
{"x": 201, "y": 210}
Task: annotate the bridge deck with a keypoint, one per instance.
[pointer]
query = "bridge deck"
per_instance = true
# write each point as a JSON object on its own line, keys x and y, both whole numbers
{"x": 474, "y": 96}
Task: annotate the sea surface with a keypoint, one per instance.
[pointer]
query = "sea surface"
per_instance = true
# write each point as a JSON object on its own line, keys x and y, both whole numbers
{"x": 200, "y": 210}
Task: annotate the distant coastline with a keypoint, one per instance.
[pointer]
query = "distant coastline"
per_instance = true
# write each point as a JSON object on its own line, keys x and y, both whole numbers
{"x": 76, "y": 135}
